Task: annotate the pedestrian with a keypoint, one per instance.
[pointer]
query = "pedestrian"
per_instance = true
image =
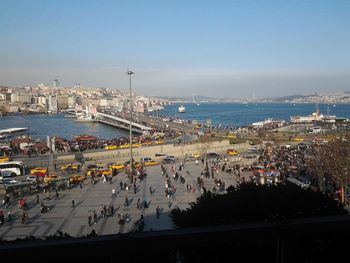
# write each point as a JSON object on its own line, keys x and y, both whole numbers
{"x": 150, "y": 190}
{"x": 95, "y": 218}
{"x": 158, "y": 212}
{"x": 37, "y": 198}
{"x": 9, "y": 216}
{"x": 81, "y": 185}
{"x": 73, "y": 203}
{"x": 113, "y": 192}
{"x": 2, "y": 218}
{"x": 126, "y": 202}
{"x": 56, "y": 195}
{"x": 89, "y": 219}
{"x": 138, "y": 203}
{"x": 121, "y": 185}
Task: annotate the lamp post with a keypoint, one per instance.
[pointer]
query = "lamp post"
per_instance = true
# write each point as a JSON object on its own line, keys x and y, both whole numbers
{"x": 129, "y": 72}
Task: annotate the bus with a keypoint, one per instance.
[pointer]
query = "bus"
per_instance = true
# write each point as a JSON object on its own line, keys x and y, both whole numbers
{"x": 10, "y": 169}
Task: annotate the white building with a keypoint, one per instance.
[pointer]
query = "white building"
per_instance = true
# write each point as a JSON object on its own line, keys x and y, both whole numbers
{"x": 52, "y": 104}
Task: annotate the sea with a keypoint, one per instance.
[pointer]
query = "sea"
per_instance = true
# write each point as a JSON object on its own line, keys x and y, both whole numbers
{"x": 218, "y": 114}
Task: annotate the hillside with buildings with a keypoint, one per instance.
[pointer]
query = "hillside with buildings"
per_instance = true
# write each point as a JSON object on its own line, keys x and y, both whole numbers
{"x": 46, "y": 99}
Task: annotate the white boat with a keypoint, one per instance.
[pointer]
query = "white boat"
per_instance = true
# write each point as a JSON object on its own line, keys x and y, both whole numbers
{"x": 12, "y": 132}
{"x": 85, "y": 119}
{"x": 182, "y": 109}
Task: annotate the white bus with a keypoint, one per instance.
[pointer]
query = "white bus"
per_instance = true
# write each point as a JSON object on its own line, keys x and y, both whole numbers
{"x": 10, "y": 169}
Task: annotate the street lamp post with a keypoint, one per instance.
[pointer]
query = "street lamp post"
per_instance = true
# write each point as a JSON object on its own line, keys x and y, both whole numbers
{"x": 129, "y": 72}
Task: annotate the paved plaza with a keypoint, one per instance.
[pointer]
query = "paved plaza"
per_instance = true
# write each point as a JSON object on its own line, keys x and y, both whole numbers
{"x": 63, "y": 217}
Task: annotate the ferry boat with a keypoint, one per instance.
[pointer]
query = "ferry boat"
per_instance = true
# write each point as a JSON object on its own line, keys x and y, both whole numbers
{"x": 182, "y": 109}
{"x": 12, "y": 132}
{"x": 314, "y": 117}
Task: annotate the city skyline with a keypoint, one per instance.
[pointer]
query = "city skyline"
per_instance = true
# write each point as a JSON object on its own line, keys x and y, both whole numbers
{"x": 215, "y": 49}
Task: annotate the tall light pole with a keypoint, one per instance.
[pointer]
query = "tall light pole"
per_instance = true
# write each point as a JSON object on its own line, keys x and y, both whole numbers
{"x": 129, "y": 72}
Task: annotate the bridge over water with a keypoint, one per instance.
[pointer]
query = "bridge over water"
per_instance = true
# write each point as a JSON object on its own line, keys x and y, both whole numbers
{"x": 121, "y": 123}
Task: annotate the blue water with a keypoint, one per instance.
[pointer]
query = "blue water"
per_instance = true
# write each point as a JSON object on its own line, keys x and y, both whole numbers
{"x": 226, "y": 114}
{"x": 42, "y": 125}
{"x": 238, "y": 114}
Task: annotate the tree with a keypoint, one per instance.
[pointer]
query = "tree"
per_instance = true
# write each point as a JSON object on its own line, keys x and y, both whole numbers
{"x": 330, "y": 167}
{"x": 252, "y": 203}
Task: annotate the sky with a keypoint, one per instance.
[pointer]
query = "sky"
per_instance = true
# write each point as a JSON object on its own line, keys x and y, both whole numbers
{"x": 212, "y": 48}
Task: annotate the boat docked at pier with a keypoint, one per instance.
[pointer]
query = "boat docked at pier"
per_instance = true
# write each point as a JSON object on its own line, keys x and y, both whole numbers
{"x": 314, "y": 117}
{"x": 12, "y": 132}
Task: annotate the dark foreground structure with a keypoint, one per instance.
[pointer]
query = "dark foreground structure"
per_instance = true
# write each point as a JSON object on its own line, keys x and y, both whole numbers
{"x": 323, "y": 239}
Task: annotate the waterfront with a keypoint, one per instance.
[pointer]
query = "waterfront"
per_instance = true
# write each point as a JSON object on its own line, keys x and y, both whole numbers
{"x": 238, "y": 114}
{"x": 226, "y": 114}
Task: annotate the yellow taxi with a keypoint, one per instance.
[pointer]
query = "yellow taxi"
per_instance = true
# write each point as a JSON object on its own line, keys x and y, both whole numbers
{"x": 150, "y": 163}
{"x": 135, "y": 145}
{"x": 111, "y": 147}
{"x": 298, "y": 139}
{"x": 232, "y": 152}
{"x": 159, "y": 142}
{"x": 195, "y": 155}
{"x": 70, "y": 168}
{"x": 39, "y": 170}
{"x": 231, "y": 136}
{"x": 124, "y": 146}
{"x": 99, "y": 171}
{"x": 4, "y": 159}
{"x": 75, "y": 179}
{"x": 116, "y": 166}
{"x": 147, "y": 143}
{"x": 50, "y": 178}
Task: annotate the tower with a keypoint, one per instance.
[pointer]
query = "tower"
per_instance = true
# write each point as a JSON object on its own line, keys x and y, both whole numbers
{"x": 56, "y": 83}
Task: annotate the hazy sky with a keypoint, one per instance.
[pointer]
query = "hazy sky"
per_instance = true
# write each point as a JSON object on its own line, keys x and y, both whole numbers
{"x": 213, "y": 48}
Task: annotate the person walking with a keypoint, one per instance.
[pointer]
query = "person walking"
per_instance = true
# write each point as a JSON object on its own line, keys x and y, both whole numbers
{"x": 73, "y": 203}
{"x": 158, "y": 212}
{"x": 37, "y": 197}
{"x": 95, "y": 218}
{"x": 89, "y": 219}
{"x": 138, "y": 203}
{"x": 113, "y": 192}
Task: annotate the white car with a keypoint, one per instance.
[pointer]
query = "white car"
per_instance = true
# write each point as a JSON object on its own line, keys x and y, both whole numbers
{"x": 8, "y": 181}
{"x": 32, "y": 178}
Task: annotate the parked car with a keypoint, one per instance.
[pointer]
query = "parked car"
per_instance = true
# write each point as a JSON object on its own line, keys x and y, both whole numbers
{"x": 50, "y": 178}
{"x": 194, "y": 155}
{"x": 116, "y": 166}
{"x": 39, "y": 171}
{"x": 111, "y": 147}
{"x": 32, "y": 178}
{"x": 213, "y": 155}
{"x": 4, "y": 159}
{"x": 169, "y": 159}
{"x": 145, "y": 159}
{"x": 70, "y": 168}
{"x": 151, "y": 162}
{"x": 75, "y": 179}
{"x": 232, "y": 152}
{"x": 8, "y": 181}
